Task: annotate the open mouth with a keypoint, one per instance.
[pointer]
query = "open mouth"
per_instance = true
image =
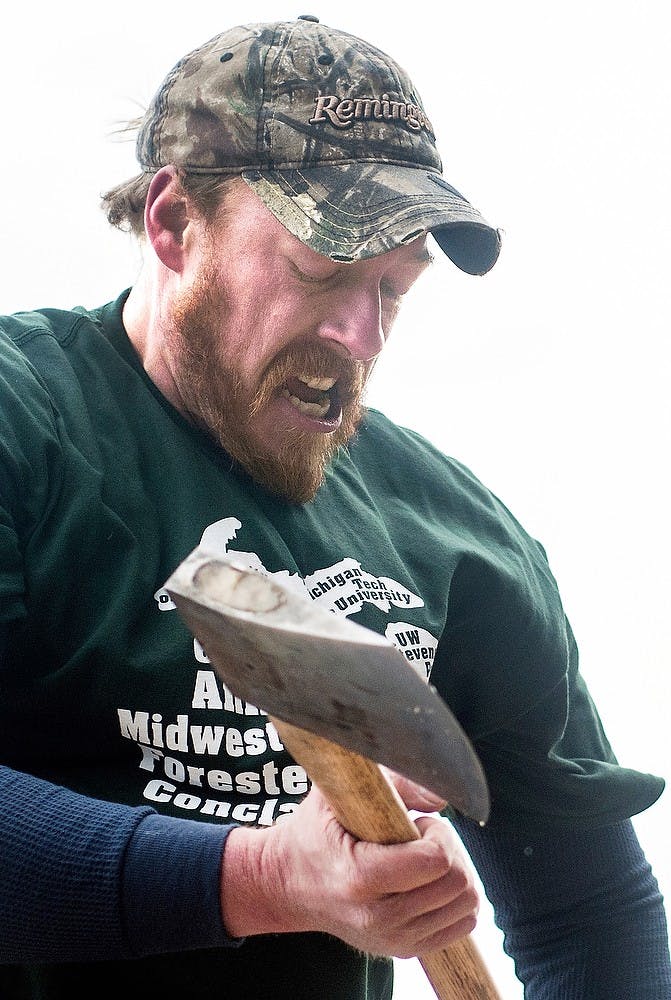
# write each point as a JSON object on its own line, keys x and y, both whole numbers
{"x": 314, "y": 396}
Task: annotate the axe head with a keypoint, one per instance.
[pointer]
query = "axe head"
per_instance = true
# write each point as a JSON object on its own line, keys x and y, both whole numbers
{"x": 299, "y": 662}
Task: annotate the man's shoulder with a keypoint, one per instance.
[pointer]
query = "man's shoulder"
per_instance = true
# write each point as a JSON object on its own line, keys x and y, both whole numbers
{"x": 378, "y": 430}
{"x": 27, "y": 410}
{"x": 49, "y": 344}
{"x": 21, "y": 327}
{"x": 31, "y": 340}
{"x": 394, "y": 460}
{"x": 44, "y": 359}
{"x": 383, "y": 441}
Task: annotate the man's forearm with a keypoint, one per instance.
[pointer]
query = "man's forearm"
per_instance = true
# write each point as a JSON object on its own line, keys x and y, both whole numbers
{"x": 83, "y": 879}
{"x": 582, "y": 914}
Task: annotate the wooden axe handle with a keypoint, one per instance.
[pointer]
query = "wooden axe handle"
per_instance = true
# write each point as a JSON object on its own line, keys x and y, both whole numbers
{"x": 370, "y": 809}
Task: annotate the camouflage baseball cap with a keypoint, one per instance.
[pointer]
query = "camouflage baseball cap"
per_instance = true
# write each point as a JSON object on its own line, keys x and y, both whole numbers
{"x": 326, "y": 129}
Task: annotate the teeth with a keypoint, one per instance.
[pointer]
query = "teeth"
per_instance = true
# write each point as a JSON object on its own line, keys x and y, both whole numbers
{"x": 323, "y": 384}
{"x": 310, "y": 409}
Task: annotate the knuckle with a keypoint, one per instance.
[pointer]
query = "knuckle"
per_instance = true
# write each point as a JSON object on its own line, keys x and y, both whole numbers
{"x": 472, "y": 899}
{"x": 460, "y": 880}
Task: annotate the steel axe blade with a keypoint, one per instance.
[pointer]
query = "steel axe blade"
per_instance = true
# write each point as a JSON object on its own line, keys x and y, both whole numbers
{"x": 326, "y": 674}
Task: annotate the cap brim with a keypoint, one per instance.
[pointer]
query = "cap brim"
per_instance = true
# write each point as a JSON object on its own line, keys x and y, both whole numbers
{"x": 351, "y": 211}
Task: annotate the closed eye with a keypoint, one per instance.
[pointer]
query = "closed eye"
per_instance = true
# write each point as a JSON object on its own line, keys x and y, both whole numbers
{"x": 314, "y": 278}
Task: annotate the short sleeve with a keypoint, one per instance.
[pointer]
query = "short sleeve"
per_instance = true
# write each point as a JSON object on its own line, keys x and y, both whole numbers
{"x": 554, "y": 768}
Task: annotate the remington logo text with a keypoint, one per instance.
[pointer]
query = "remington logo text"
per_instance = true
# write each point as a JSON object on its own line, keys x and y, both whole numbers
{"x": 344, "y": 112}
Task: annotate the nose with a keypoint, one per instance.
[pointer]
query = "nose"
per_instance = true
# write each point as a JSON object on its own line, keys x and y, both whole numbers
{"x": 353, "y": 320}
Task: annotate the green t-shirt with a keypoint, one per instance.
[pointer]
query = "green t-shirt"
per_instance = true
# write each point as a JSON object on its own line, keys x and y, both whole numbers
{"x": 105, "y": 489}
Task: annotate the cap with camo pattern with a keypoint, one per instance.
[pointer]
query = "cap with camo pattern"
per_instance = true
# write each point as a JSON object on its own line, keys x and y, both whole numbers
{"x": 326, "y": 129}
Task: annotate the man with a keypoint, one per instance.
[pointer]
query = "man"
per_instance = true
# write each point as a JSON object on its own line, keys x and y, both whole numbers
{"x": 156, "y": 836}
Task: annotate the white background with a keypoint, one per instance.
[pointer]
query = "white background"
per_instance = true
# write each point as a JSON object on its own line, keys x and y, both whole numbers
{"x": 549, "y": 377}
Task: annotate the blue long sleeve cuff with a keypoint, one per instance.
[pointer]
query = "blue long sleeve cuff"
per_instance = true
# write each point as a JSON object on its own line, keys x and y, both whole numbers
{"x": 171, "y": 886}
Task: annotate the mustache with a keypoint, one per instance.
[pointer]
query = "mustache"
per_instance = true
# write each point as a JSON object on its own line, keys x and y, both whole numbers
{"x": 316, "y": 360}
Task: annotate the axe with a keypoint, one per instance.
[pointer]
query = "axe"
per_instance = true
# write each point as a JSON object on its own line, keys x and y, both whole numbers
{"x": 344, "y": 700}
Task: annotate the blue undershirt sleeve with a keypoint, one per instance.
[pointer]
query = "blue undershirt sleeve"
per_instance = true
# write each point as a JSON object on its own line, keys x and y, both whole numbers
{"x": 83, "y": 879}
{"x": 581, "y": 911}
{"x": 171, "y": 885}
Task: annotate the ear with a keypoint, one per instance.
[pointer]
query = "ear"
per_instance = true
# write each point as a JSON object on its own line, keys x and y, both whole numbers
{"x": 166, "y": 218}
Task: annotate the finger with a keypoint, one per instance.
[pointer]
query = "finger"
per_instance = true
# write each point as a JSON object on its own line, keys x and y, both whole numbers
{"x": 439, "y": 831}
{"x": 434, "y": 915}
{"x": 397, "y": 868}
{"x": 439, "y": 939}
{"x": 444, "y": 926}
{"x": 412, "y": 923}
{"x": 387, "y": 869}
{"x": 414, "y": 796}
{"x": 454, "y": 895}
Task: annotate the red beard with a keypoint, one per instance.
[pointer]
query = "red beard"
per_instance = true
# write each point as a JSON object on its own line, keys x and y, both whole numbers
{"x": 214, "y": 397}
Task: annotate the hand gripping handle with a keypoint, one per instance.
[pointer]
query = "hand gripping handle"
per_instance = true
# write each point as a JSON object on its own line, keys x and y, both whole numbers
{"x": 370, "y": 809}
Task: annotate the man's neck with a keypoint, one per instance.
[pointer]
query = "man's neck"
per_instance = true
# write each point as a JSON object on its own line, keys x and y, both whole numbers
{"x": 145, "y": 324}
